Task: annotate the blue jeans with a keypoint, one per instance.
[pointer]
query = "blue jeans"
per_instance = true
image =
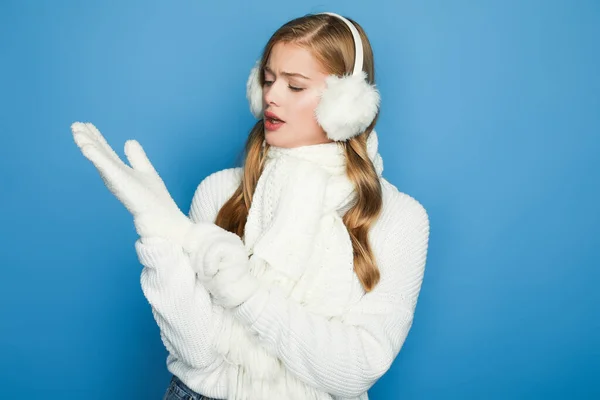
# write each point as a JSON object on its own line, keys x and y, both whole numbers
{"x": 178, "y": 390}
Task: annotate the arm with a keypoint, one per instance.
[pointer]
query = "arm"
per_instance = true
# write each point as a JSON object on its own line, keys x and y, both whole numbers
{"x": 180, "y": 304}
{"x": 141, "y": 190}
{"x": 346, "y": 356}
{"x": 181, "y": 307}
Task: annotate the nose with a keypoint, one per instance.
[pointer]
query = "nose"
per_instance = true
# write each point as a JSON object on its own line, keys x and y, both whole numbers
{"x": 272, "y": 93}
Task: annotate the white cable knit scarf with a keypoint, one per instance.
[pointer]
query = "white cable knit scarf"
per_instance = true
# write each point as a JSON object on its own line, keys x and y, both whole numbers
{"x": 296, "y": 241}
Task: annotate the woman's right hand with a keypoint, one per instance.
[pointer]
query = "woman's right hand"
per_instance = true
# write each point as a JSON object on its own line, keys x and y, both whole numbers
{"x": 139, "y": 187}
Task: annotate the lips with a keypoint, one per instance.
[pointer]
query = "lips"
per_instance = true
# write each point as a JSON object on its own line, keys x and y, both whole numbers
{"x": 272, "y": 121}
{"x": 273, "y": 117}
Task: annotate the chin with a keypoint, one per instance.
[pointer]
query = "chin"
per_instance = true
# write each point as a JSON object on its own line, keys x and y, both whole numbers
{"x": 281, "y": 138}
{"x": 278, "y": 139}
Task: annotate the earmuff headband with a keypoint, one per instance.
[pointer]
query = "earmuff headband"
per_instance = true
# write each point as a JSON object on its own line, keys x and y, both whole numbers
{"x": 358, "y": 47}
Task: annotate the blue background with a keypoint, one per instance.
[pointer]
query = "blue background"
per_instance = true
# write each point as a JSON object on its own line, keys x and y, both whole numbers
{"x": 490, "y": 118}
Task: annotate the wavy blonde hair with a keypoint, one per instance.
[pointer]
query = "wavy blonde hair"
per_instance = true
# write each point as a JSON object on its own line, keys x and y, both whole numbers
{"x": 330, "y": 41}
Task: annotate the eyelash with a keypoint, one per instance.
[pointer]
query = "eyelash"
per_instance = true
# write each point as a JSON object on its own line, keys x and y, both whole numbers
{"x": 295, "y": 89}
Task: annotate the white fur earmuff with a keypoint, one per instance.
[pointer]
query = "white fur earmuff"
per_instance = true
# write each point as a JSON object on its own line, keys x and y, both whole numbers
{"x": 254, "y": 91}
{"x": 348, "y": 104}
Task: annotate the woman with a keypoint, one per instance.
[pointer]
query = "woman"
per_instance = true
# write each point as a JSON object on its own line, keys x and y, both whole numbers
{"x": 296, "y": 276}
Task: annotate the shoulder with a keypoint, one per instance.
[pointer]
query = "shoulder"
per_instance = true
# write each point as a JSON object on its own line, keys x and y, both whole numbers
{"x": 222, "y": 180}
{"x": 212, "y": 192}
{"x": 401, "y": 204}
{"x": 403, "y": 219}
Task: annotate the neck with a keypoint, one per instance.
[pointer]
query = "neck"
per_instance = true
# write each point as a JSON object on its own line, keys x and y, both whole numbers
{"x": 330, "y": 156}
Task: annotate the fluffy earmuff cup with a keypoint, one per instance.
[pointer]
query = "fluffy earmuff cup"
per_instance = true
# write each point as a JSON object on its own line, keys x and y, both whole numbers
{"x": 347, "y": 106}
{"x": 254, "y": 92}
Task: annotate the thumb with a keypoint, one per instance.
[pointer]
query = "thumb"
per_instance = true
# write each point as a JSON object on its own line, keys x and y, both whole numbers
{"x": 137, "y": 157}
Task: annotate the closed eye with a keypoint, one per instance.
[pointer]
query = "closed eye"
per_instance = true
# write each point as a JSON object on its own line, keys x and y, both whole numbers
{"x": 295, "y": 89}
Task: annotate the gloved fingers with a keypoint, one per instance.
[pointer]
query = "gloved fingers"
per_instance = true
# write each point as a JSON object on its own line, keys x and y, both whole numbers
{"x": 137, "y": 157}
{"x": 224, "y": 277}
{"x": 211, "y": 258}
{"x": 227, "y": 251}
{"x": 84, "y": 138}
{"x": 102, "y": 141}
{"x": 232, "y": 292}
{"x": 212, "y": 245}
{"x": 229, "y": 275}
{"x": 231, "y": 299}
{"x": 83, "y": 141}
{"x": 112, "y": 173}
{"x": 83, "y": 134}
{"x": 202, "y": 278}
{"x": 105, "y": 165}
{"x": 214, "y": 256}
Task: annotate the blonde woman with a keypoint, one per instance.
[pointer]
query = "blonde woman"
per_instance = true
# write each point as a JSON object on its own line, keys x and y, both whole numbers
{"x": 296, "y": 275}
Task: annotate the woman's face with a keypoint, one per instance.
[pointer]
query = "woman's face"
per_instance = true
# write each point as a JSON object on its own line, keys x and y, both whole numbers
{"x": 293, "y": 83}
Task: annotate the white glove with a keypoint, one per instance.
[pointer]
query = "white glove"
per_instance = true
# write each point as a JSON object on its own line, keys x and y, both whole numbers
{"x": 138, "y": 187}
{"x": 221, "y": 263}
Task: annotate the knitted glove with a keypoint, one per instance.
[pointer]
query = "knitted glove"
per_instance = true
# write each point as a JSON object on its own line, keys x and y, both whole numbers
{"x": 138, "y": 187}
{"x": 221, "y": 263}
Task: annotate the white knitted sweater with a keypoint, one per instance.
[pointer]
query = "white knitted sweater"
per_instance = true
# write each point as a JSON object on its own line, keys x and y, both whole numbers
{"x": 286, "y": 350}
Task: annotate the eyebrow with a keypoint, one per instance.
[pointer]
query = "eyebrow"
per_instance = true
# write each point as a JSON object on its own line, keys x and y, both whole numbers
{"x": 287, "y": 73}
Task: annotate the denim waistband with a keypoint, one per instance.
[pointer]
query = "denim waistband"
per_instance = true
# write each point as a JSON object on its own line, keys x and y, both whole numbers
{"x": 185, "y": 392}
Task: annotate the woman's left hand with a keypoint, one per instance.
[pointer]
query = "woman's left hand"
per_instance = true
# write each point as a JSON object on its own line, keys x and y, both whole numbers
{"x": 221, "y": 262}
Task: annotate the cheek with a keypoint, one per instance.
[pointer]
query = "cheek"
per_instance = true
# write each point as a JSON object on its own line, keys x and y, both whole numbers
{"x": 305, "y": 107}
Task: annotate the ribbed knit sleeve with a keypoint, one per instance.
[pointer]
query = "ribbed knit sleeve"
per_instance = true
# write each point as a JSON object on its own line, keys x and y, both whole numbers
{"x": 345, "y": 356}
{"x": 181, "y": 305}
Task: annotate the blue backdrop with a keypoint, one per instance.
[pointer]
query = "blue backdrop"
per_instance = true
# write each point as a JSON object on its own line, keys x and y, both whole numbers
{"x": 490, "y": 118}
